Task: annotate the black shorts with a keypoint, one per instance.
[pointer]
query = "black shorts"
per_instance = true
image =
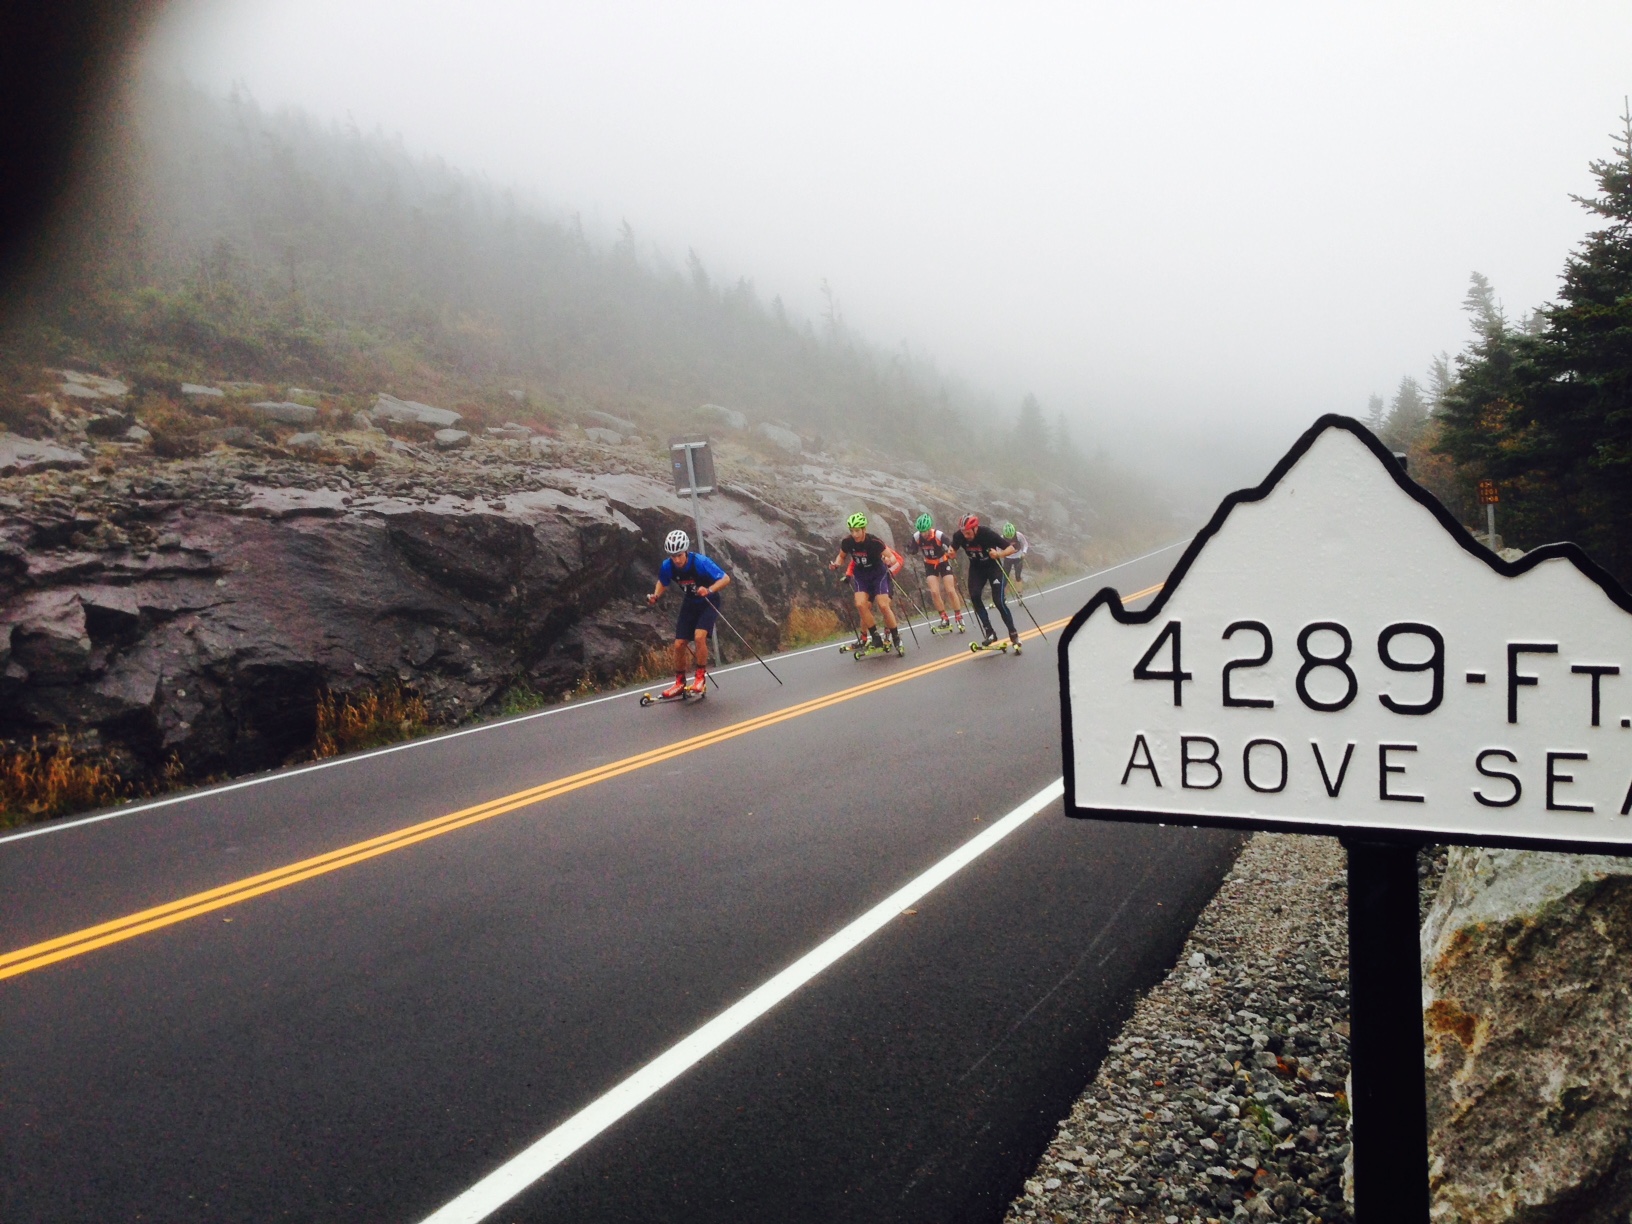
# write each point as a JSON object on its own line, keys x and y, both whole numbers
{"x": 696, "y": 612}
{"x": 932, "y": 570}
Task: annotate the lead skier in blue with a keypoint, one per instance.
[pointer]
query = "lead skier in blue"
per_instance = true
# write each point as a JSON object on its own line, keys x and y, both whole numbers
{"x": 700, "y": 581}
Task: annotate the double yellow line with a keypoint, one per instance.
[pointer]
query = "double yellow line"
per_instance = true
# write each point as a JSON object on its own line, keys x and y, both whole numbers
{"x": 77, "y": 943}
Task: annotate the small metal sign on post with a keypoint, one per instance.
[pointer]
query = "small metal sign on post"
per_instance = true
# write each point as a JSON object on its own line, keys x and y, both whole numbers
{"x": 1334, "y": 654}
{"x": 1489, "y": 498}
{"x": 692, "y": 463}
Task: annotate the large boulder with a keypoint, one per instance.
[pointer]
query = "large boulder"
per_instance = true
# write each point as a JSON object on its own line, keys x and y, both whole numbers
{"x": 1527, "y": 963}
{"x": 390, "y": 408}
{"x": 19, "y": 456}
{"x": 607, "y": 437}
{"x": 786, "y": 439}
{"x": 605, "y": 420}
{"x": 728, "y": 417}
{"x": 285, "y": 411}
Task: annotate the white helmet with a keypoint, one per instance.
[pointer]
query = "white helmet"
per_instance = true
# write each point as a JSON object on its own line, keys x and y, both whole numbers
{"x": 676, "y": 541}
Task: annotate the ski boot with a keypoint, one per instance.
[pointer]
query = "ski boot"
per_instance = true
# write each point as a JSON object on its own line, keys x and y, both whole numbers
{"x": 895, "y": 641}
{"x": 961, "y": 626}
{"x": 1014, "y": 639}
{"x": 699, "y": 686}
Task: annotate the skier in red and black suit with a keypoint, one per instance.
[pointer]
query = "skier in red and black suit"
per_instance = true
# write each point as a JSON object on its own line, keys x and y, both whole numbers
{"x": 935, "y": 547}
{"x": 986, "y": 551}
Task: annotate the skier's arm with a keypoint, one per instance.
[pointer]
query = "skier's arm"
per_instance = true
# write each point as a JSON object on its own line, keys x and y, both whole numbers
{"x": 657, "y": 594}
{"x": 718, "y": 585}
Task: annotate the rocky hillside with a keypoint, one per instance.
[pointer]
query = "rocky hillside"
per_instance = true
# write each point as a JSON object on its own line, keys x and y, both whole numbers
{"x": 184, "y": 571}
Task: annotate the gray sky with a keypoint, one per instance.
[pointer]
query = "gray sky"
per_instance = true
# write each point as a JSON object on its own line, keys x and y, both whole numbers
{"x": 1157, "y": 217}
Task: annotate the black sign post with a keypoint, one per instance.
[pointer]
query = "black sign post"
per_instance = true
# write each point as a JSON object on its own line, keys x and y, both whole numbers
{"x": 1335, "y": 654}
{"x": 1389, "y": 1107}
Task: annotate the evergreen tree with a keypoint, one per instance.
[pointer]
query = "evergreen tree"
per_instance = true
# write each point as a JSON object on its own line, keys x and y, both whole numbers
{"x": 1374, "y": 414}
{"x": 1549, "y": 412}
{"x": 1030, "y": 433}
{"x": 1577, "y": 376}
{"x": 1407, "y": 415}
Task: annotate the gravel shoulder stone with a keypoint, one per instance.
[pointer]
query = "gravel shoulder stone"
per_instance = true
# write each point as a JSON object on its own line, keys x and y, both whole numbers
{"x": 1224, "y": 1096}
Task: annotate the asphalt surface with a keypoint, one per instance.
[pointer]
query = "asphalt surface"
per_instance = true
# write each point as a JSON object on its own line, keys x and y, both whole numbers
{"x": 366, "y": 1043}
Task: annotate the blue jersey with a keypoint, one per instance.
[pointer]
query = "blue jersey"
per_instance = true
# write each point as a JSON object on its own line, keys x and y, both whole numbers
{"x": 698, "y": 570}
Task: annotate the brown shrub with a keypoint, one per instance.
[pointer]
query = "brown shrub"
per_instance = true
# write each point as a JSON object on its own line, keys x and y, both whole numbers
{"x": 808, "y": 624}
{"x": 37, "y": 783}
{"x": 353, "y": 721}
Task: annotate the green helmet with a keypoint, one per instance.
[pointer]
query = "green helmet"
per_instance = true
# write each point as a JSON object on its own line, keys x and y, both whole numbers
{"x": 1008, "y": 531}
{"x": 856, "y": 522}
{"x": 924, "y": 523}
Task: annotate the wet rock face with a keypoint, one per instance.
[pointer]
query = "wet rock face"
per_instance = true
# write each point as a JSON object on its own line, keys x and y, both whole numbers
{"x": 1527, "y": 961}
{"x": 185, "y": 612}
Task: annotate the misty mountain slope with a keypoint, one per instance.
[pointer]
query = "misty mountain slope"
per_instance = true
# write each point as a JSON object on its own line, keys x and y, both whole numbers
{"x": 270, "y": 247}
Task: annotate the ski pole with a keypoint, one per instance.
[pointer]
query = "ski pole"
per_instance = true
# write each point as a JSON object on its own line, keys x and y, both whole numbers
{"x": 852, "y": 618}
{"x": 751, "y": 650}
{"x": 1022, "y": 603}
{"x": 707, "y": 674}
{"x": 910, "y": 600}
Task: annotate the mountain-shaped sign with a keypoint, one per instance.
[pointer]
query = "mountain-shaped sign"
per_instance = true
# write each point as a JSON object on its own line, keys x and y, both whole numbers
{"x": 1335, "y": 653}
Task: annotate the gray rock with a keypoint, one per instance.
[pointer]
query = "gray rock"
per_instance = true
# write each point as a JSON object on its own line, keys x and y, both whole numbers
{"x": 451, "y": 439}
{"x": 518, "y": 395}
{"x": 607, "y": 421}
{"x": 389, "y": 408}
{"x": 360, "y": 420}
{"x": 91, "y": 386}
{"x": 786, "y": 439}
{"x": 729, "y": 417}
{"x": 311, "y": 440}
{"x": 108, "y": 425}
{"x": 20, "y": 456}
{"x": 199, "y": 391}
{"x": 606, "y": 436}
{"x": 509, "y": 432}
{"x": 137, "y": 434}
{"x": 1527, "y": 961}
{"x": 80, "y": 391}
{"x": 286, "y": 411}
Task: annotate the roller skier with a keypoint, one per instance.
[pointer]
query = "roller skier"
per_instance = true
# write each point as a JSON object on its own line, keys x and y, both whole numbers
{"x": 700, "y": 581}
{"x": 871, "y": 563}
{"x": 986, "y": 550}
{"x": 1015, "y": 563}
{"x": 936, "y": 550}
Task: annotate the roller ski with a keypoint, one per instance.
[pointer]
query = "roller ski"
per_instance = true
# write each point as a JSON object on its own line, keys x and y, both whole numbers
{"x": 859, "y": 644}
{"x": 680, "y": 691}
{"x": 947, "y": 626}
{"x": 1012, "y": 642}
{"x": 876, "y": 645}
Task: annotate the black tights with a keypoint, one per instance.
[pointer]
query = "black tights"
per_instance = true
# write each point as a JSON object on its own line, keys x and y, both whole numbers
{"x": 979, "y": 578}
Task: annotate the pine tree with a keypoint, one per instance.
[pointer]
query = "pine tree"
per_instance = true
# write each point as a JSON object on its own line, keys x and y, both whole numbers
{"x": 1374, "y": 414}
{"x": 1030, "y": 433}
{"x": 1547, "y": 409}
{"x": 1578, "y": 375}
{"x": 1407, "y": 415}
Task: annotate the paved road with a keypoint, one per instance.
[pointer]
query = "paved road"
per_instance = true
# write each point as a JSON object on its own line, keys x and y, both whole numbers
{"x": 367, "y": 1035}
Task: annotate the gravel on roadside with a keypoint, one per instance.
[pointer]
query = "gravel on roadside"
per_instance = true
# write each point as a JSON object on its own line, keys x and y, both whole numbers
{"x": 1224, "y": 1096}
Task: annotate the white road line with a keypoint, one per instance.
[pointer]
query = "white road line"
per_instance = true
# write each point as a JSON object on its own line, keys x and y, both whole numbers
{"x": 521, "y": 1171}
{"x": 353, "y": 758}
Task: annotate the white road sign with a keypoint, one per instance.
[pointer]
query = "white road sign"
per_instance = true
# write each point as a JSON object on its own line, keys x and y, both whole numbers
{"x": 1334, "y": 652}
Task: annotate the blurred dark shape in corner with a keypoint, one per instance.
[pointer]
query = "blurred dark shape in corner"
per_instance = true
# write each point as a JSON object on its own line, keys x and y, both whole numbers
{"x": 61, "y": 72}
